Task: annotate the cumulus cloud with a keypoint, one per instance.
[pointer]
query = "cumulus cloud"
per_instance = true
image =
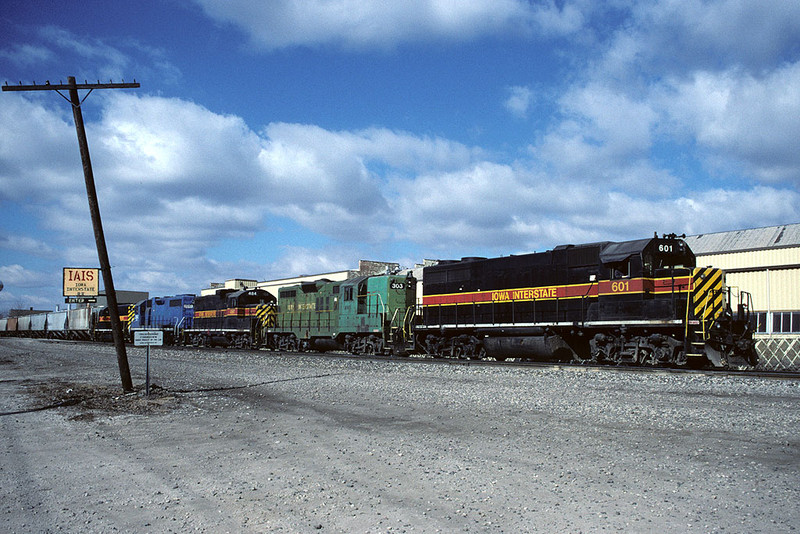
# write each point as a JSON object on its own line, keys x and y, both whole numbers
{"x": 325, "y": 180}
{"x": 744, "y": 118}
{"x": 171, "y": 189}
{"x": 297, "y": 261}
{"x": 518, "y": 101}
{"x": 27, "y": 170}
{"x": 175, "y": 179}
{"x": 663, "y": 95}
{"x": 25, "y": 245}
{"x": 16, "y": 276}
{"x": 683, "y": 35}
{"x": 366, "y": 24}
{"x": 57, "y": 49}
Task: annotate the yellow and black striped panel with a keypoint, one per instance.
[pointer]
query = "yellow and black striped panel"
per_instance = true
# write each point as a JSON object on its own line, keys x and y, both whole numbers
{"x": 266, "y": 314}
{"x": 131, "y": 315}
{"x": 708, "y": 296}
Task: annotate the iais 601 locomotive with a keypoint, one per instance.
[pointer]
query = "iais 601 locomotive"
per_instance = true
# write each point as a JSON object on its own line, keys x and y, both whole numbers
{"x": 642, "y": 302}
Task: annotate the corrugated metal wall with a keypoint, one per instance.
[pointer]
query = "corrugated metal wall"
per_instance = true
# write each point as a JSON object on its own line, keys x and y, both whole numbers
{"x": 777, "y": 290}
{"x": 772, "y": 276}
{"x": 755, "y": 259}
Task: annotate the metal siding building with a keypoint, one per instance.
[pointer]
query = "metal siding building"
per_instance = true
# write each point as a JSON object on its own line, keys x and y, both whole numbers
{"x": 765, "y": 262}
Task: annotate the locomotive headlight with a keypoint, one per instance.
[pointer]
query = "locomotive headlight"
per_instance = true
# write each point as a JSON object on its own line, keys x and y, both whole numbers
{"x": 593, "y": 278}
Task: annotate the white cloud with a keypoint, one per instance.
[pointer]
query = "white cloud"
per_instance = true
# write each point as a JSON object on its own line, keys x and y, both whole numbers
{"x": 160, "y": 151}
{"x": 325, "y": 180}
{"x": 16, "y": 276}
{"x": 41, "y": 156}
{"x": 90, "y": 58}
{"x": 702, "y": 211}
{"x": 26, "y": 245}
{"x": 363, "y": 24}
{"x": 746, "y": 119}
{"x": 702, "y": 34}
{"x": 487, "y": 206}
{"x": 297, "y": 261}
{"x": 605, "y": 141}
{"x": 176, "y": 178}
{"x": 676, "y": 37}
{"x": 518, "y": 101}
{"x": 26, "y": 55}
{"x": 664, "y": 96}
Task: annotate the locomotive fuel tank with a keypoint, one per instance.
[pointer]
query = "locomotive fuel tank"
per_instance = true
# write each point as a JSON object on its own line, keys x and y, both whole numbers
{"x": 530, "y": 343}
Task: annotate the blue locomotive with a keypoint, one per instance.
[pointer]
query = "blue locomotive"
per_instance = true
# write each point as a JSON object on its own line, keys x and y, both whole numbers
{"x": 172, "y": 315}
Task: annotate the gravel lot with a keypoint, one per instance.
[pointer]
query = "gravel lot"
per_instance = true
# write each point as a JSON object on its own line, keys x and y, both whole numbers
{"x": 259, "y": 442}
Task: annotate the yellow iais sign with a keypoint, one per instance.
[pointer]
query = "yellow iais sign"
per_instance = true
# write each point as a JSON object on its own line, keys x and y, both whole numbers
{"x": 81, "y": 282}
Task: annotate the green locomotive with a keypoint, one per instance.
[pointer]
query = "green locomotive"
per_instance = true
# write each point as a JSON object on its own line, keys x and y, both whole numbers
{"x": 362, "y": 315}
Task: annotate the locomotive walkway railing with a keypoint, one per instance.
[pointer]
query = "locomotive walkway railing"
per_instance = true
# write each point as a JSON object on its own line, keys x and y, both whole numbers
{"x": 506, "y": 312}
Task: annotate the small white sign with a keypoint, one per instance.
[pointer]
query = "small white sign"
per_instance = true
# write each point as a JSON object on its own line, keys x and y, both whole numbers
{"x": 145, "y": 338}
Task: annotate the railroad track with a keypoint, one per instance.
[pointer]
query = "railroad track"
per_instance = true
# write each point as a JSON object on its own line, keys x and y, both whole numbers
{"x": 787, "y": 375}
{"x": 425, "y": 360}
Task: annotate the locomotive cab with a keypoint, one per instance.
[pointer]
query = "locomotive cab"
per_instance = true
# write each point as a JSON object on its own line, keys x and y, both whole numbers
{"x": 648, "y": 258}
{"x": 640, "y": 280}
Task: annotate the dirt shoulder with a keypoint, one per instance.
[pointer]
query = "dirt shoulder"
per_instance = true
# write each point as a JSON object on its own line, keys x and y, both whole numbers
{"x": 256, "y": 442}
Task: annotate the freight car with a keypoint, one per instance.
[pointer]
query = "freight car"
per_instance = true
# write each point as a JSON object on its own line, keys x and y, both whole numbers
{"x": 362, "y": 315}
{"x": 640, "y": 302}
{"x": 77, "y": 324}
{"x": 227, "y": 318}
{"x": 57, "y": 324}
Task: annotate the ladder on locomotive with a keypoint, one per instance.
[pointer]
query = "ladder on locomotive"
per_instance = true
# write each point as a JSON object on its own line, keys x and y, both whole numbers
{"x": 697, "y": 334}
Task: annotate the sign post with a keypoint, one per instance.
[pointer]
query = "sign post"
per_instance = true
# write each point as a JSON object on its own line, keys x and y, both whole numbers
{"x": 146, "y": 338}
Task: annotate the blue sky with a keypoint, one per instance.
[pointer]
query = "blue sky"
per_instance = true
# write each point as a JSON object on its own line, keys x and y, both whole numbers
{"x": 270, "y": 139}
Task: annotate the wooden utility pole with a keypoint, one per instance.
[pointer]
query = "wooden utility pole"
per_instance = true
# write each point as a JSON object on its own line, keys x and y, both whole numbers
{"x": 94, "y": 208}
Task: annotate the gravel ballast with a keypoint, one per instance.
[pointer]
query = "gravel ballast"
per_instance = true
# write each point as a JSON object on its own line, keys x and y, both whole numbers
{"x": 235, "y": 441}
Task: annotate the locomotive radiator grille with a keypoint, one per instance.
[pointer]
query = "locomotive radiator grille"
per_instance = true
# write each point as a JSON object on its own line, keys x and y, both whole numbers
{"x": 708, "y": 298}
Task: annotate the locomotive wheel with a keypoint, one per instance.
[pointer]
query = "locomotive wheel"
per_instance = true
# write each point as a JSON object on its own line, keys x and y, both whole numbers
{"x": 647, "y": 357}
{"x": 612, "y": 355}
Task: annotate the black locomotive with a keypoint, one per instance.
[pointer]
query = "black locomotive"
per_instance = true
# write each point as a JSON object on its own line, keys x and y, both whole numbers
{"x": 641, "y": 302}
{"x": 228, "y": 318}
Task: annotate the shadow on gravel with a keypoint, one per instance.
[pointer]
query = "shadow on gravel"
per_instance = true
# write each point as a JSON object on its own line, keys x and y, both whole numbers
{"x": 96, "y": 399}
{"x": 91, "y": 400}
